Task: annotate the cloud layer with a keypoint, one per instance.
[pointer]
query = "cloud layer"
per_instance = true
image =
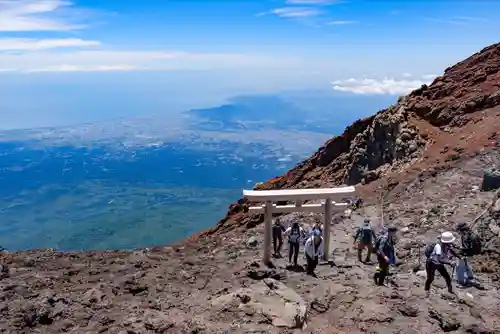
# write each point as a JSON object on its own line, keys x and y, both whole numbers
{"x": 106, "y": 60}
{"x": 33, "y": 15}
{"x": 382, "y": 86}
{"x": 30, "y": 44}
{"x": 74, "y": 54}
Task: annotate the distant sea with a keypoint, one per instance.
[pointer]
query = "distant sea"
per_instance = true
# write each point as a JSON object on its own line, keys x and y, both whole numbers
{"x": 131, "y": 183}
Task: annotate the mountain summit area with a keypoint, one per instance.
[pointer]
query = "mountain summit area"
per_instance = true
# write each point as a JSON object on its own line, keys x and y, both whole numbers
{"x": 419, "y": 164}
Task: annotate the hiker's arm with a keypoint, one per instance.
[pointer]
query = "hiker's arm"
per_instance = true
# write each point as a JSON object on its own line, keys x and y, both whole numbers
{"x": 282, "y": 228}
{"x": 441, "y": 258}
{"x": 357, "y": 234}
{"x": 288, "y": 230}
{"x": 454, "y": 252}
{"x": 320, "y": 251}
{"x": 373, "y": 235}
{"x": 380, "y": 249}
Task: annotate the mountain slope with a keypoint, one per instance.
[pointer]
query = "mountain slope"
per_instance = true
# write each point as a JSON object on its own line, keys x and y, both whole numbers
{"x": 425, "y": 155}
{"x": 454, "y": 117}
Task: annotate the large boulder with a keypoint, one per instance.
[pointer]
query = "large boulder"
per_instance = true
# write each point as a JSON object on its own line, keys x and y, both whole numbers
{"x": 491, "y": 180}
{"x": 271, "y": 298}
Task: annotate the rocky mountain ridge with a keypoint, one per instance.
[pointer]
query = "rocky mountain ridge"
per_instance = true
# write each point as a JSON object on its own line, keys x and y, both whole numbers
{"x": 425, "y": 156}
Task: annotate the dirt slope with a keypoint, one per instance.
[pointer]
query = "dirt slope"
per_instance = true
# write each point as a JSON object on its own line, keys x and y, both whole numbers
{"x": 426, "y": 154}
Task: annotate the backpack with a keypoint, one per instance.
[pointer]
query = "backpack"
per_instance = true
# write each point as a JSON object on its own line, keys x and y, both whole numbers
{"x": 366, "y": 235}
{"x": 294, "y": 235}
{"x": 475, "y": 244}
{"x": 429, "y": 249}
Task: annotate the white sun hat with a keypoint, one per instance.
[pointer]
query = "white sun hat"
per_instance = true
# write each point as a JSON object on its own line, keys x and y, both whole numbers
{"x": 447, "y": 238}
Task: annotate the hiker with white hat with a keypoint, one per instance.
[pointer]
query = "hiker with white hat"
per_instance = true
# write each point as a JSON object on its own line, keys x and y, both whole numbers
{"x": 438, "y": 258}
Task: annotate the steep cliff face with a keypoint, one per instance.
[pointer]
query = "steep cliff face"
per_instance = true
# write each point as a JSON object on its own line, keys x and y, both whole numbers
{"x": 434, "y": 125}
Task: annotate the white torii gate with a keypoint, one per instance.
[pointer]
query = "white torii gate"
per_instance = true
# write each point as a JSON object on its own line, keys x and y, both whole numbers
{"x": 299, "y": 196}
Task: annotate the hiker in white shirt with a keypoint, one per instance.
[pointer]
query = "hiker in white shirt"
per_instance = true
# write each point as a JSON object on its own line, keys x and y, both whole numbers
{"x": 439, "y": 257}
{"x": 295, "y": 234}
{"x": 313, "y": 250}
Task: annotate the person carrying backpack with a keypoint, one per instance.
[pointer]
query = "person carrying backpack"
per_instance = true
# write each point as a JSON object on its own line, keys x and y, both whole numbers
{"x": 295, "y": 233}
{"x": 365, "y": 237}
{"x": 470, "y": 246}
{"x": 278, "y": 230}
{"x": 313, "y": 251}
{"x": 438, "y": 258}
{"x": 384, "y": 247}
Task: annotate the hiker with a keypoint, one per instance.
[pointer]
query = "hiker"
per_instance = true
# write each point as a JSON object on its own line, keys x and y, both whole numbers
{"x": 384, "y": 247}
{"x": 365, "y": 237}
{"x": 313, "y": 250}
{"x": 355, "y": 204}
{"x": 316, "y": 229}
{"x": 295, "y": 233}
{"x": 278, "y": 230}
{"x": 470, "y": 246}
{"x": 437, "y": 258}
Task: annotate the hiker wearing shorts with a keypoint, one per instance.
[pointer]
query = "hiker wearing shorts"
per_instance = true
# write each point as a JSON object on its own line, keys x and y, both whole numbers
{"x": 365, "y": 237}
{"x": 295, "y": 234}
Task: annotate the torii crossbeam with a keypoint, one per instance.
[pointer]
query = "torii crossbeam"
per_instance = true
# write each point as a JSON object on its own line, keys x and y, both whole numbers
{"x": 298, "y": 196}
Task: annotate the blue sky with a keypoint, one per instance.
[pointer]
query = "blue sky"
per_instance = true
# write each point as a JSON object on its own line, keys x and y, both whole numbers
{"x": 57, "y": 57}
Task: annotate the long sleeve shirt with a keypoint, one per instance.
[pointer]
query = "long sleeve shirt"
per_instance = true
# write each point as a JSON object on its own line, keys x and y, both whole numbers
{"x": 312, "y": 250}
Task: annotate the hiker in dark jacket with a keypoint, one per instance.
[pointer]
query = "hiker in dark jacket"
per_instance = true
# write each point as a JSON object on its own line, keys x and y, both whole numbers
{"x": 278, "y": 230}
{"x": 385, "y": 251}
{"x": 295, "y": 235}
{"x": 470, "y": 246}
{"x": 365, "y": 238}
{"x": 438, "y": 258}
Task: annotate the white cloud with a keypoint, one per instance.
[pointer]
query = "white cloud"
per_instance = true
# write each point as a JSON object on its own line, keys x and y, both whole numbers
{"x": 429, "y": 76}
{"x": 458, "y": 20}
{"x": 342, "y": 22}
{"x": 98, "y": 68}
{"x": 294, "y": 12}
{"x": 35, "y": 15}
{"x": 388, "y": 86}
{"x": 29, "y": 44}
{"x": 101, "y": 60}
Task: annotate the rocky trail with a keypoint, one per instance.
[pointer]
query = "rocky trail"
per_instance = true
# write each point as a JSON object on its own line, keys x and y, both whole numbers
{"x": 221, "y": 287}
{"x": 425, "y": 157}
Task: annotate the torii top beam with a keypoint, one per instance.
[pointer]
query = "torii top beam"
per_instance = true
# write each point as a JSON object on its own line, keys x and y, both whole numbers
{"x": 296, "y": 194}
